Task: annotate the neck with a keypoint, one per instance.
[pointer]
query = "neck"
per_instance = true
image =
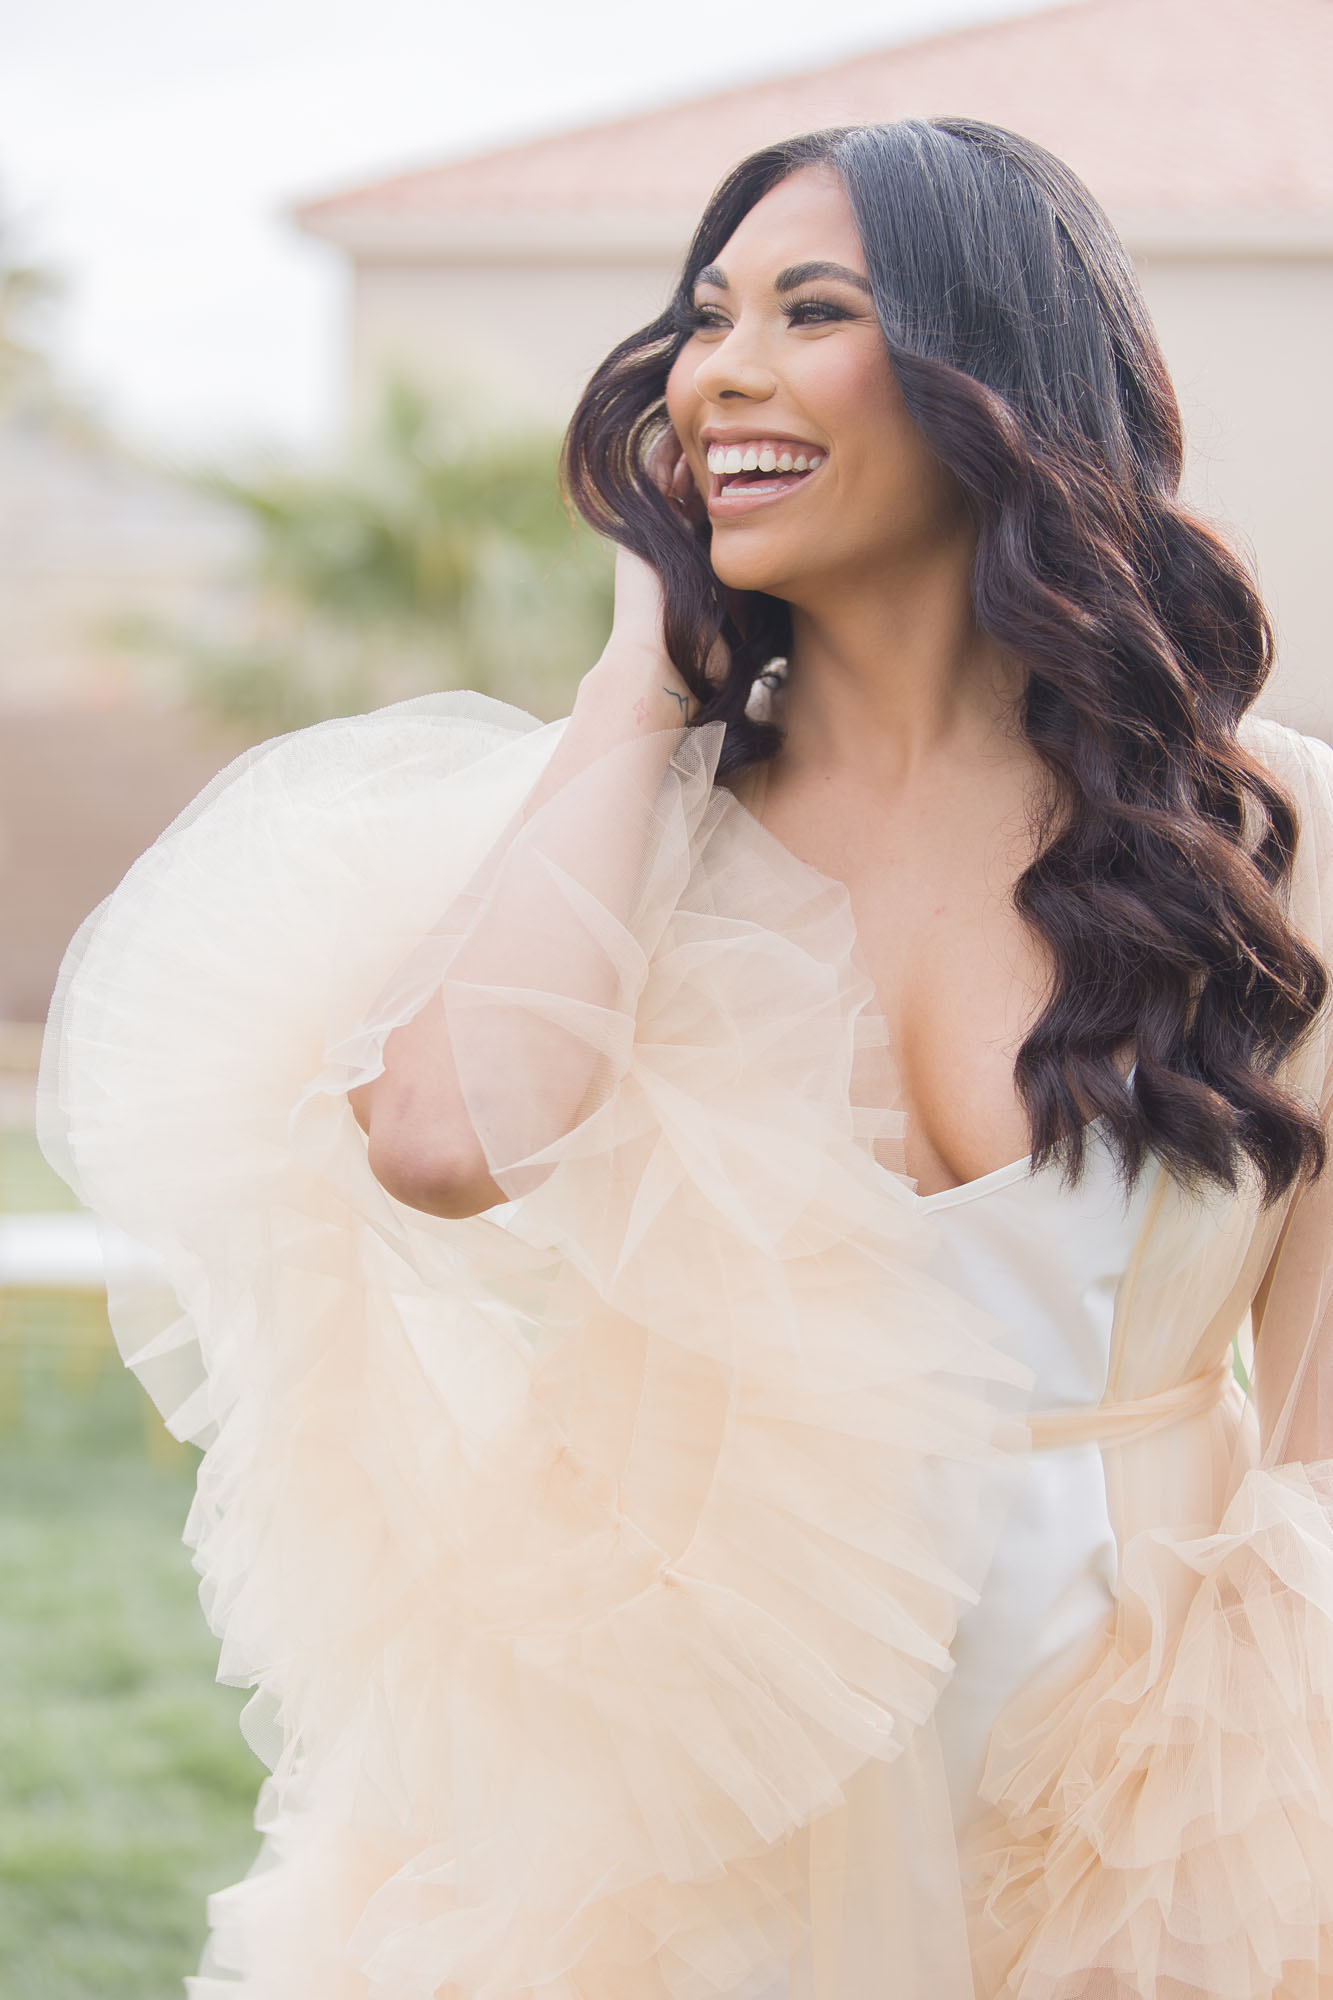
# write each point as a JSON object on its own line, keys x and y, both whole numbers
{"x": 886, "y": 677}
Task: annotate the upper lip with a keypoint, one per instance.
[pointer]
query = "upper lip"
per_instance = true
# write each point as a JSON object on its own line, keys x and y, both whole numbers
{"x": 732, "y": 434}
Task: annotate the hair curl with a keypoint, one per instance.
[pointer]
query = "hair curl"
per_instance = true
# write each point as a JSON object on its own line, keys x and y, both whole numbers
{"x": 1023, "y": 350}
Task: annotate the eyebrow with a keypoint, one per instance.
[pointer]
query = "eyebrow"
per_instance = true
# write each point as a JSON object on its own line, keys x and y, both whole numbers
{"x": 794, "y": 275}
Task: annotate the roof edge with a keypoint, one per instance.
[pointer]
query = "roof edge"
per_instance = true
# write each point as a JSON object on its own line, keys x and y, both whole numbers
{"x": 1226, "y": 232}
{"x": 654, "y": 236}
{"x": 533, "y": 236}
{"x": 314, "y": 211}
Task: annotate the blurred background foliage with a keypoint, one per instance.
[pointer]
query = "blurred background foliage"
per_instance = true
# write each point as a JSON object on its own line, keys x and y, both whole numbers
{"x": 34, "y": 393}
{"x": 435, "y": 553}
{"x": 28, "y": 290}
{"x": 440, "y": 554}
{"x": 127, "y": 1792}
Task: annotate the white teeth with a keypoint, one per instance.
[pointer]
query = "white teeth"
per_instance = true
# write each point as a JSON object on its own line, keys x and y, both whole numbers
{"x": 760, "y": 457}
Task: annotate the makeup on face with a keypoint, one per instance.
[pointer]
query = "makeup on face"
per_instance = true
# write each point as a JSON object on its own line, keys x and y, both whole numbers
{"x": 785, "y": 402}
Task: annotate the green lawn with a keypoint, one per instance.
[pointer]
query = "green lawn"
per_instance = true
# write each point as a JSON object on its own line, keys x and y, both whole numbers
{"x": 27, "y": 1185}
{"x": 126, "y": 1791}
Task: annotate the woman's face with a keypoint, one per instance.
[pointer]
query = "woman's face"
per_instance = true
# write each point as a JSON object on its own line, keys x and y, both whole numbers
{"x": 786, "y": 363}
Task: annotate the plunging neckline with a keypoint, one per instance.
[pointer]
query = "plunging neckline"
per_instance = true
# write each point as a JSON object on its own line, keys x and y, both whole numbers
{"x": 962, "y": 1191}
{"x": 998, "y": 1177}
{"x": 971, "y": 1190}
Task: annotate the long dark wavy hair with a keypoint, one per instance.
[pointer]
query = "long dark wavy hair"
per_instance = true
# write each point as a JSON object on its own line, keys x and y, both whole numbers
{"x": 1023, "y": 350}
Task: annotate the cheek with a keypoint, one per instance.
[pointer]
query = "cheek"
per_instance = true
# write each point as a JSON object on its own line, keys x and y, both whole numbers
{"x": 844, "y": 381}
{"x": 885, "y": 458}
{"x": 845, "y": 390}
{"x": 681, "y": 398}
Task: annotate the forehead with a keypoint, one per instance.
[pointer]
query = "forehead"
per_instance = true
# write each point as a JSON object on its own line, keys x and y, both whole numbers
{"x": 805, "y": 218}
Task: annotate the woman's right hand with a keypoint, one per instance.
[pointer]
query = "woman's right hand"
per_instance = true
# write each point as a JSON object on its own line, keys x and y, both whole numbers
{"x": 638, "y": 620}
{"x": 591, "y": 817}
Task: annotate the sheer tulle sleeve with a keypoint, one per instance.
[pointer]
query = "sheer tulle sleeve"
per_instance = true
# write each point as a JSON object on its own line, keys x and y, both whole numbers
{"x": 580, "y": 1553}
{"x": 1163, "y": 1824}
{"x": 1293, "y": 1307}
{"x": 538, "y": 963}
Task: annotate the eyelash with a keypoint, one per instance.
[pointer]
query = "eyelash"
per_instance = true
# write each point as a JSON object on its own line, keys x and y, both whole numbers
{"x": 694, "y": 319}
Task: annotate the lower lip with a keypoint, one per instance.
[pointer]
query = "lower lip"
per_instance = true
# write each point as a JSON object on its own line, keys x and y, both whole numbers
{"x": 738, "y": 500}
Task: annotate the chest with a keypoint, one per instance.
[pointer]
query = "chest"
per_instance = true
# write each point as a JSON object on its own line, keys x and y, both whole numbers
{"x": 959, "y": 974}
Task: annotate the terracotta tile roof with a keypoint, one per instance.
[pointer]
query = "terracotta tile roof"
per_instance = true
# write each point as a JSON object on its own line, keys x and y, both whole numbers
{"x": 1182, "y": 105}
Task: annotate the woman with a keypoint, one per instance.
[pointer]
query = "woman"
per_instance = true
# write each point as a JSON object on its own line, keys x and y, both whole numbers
{"x": 705, "y": 1240}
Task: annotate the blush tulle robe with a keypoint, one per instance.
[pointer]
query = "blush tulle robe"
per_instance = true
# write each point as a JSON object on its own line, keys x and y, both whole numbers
{"x": 596, "y": 1561}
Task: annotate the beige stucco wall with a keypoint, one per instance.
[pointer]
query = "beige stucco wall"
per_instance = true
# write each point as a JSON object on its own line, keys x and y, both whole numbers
{"x": 93, "y": 544}
{"x": 526, "y": 336}
{"x": 1248, "y": 340}
{"x": 1246, "y": 336}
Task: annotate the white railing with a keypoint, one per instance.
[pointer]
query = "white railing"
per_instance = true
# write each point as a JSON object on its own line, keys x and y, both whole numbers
{"x": 66, "y": 1253}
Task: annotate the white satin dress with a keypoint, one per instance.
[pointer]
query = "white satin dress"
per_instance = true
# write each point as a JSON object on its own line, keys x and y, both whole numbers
{"x": 1047, "y": 1260}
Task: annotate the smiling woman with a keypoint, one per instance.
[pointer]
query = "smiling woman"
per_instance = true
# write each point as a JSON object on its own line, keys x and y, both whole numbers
{"x": 843, "y": 385}
{"x": 705, "y": 1241}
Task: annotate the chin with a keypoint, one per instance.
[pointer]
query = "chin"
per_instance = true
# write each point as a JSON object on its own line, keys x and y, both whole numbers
{"x": 752, "y": 568}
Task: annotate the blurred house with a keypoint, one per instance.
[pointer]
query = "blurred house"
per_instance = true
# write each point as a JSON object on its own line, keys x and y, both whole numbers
{"x": 1204, "y": 126}
{"x": 92, "y": 767}
{"x": 92, "y": 540}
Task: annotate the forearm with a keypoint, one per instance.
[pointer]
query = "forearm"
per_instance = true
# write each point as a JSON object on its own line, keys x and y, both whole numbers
{"x": 498, "y": 1063}
{"x": 632, "y": 695}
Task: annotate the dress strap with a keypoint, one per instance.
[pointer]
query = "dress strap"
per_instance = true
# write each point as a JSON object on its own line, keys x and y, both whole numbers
{"x": 1113, "y": 1423}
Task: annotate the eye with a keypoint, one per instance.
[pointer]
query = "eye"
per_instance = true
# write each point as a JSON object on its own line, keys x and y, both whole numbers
{"x": 799, "y": 312}
{"x": 692, "y": 319}
{"x": 809, "y": 312}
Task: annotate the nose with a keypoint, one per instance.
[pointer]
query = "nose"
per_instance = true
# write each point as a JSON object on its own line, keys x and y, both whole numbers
{"x": 734, "y": 367}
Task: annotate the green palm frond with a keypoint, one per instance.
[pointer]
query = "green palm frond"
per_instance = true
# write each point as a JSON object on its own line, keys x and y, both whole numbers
{"x": 436, "y": 556}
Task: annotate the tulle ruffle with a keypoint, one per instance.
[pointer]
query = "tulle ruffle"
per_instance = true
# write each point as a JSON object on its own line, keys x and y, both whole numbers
{"x": 1167, "y": 1827}
{"x": 580, "y": 1554}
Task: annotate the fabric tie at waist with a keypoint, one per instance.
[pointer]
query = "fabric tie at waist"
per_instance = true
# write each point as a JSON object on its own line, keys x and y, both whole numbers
{"x": 1113, "y": 1423}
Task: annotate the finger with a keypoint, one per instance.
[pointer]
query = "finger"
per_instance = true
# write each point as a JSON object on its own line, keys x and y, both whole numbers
{"x": 685, "y": 490}
{"x": 660, "y": 461}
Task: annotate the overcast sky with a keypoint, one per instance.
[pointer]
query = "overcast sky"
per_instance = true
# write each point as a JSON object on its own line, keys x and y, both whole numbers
{"x": 149, "y": 148}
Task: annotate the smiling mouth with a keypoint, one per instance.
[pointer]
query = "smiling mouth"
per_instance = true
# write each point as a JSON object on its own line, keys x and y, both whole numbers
{"x": 745, "y": 476}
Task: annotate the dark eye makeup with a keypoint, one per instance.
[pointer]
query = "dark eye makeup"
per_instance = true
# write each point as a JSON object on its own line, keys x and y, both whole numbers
{"x": 800, "y": 312}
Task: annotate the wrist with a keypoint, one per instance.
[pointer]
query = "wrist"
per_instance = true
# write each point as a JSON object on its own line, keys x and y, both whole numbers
{"x": 642, "y": 681}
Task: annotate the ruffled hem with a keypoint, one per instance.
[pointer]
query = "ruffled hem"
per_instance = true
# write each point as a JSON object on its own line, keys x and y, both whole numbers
{"x": 579, "y": 1553}
{"x": 1167, "y": 1827}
